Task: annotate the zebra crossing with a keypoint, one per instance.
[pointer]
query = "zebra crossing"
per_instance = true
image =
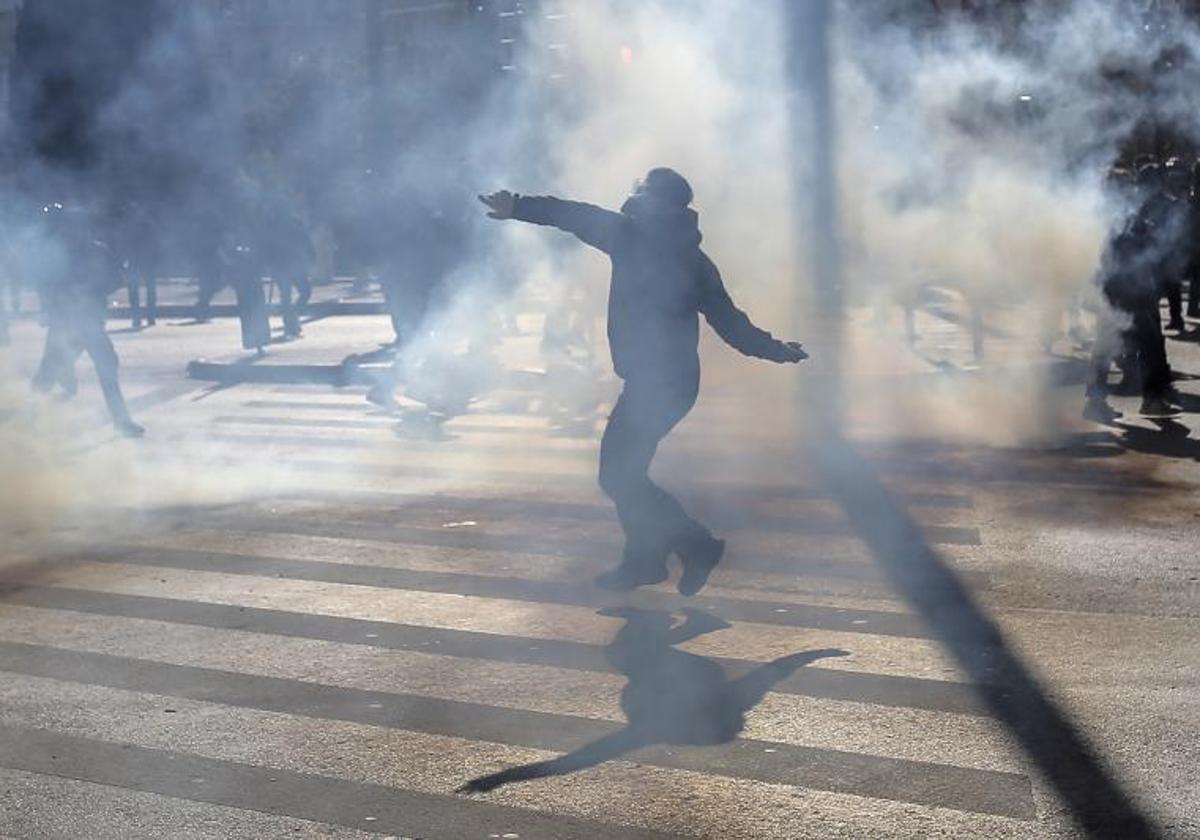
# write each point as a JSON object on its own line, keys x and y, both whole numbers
{"x": 335, "y": 656}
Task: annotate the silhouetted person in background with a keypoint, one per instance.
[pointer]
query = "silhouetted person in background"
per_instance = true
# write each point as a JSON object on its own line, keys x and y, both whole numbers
{"x": 672, "y": 696}
{"x": 1148, "y": 247}
{"x": 661, "y": 282}
{"x": 287, "y": 256}
{"x": 243, "y": 258}
{"x": 140, "y": 250}
{"x": 76, "y": 298}
{"x": 416, "y": 266}
{"x": 206, "y": 253}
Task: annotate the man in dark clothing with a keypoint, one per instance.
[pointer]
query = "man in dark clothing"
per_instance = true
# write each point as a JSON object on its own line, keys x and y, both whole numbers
{"x": 661, "y": 282}
{"x": 76, "y": 297}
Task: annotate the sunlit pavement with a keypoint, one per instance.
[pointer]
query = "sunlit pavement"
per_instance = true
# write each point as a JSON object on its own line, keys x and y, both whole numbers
{"x": 288, "y": 614}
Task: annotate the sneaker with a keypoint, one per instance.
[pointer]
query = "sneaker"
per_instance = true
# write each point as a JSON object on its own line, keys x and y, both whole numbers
{"x": 700, "y": 556}
{"x": 1099, "y": 411}
{"x": 631, "y": 573}
{"x": 1157, "y": 407}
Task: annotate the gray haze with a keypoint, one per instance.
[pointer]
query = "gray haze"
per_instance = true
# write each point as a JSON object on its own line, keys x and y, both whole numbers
{"x": 947, "y": 173}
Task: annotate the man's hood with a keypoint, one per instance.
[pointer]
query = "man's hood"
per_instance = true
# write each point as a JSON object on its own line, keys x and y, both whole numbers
{"x": 676, "y": 225}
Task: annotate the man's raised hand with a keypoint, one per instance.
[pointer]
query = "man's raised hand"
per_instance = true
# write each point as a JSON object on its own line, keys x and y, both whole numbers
{"x": 793, "y": 352}
{"x": 500, "y": 204}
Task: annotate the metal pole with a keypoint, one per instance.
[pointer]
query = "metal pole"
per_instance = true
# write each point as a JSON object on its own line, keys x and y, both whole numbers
{"x": 814, "y": 132}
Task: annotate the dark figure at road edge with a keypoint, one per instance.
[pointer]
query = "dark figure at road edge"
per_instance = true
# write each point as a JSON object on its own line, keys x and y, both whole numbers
{"x": 661, "y": 282}
{"x": 672, "y": 697}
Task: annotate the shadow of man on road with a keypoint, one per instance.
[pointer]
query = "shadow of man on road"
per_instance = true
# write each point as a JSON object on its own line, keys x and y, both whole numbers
{"x": 1171, "y": 439}
{"x": 672, "y": 697}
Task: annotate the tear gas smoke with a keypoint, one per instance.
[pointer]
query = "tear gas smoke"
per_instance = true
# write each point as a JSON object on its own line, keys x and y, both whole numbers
{"x": 974, "y": 158}
{"x": 967, "y": 160}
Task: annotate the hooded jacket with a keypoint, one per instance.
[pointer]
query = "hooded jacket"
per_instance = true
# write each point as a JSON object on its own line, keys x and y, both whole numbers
{"x": 661, "y": 283}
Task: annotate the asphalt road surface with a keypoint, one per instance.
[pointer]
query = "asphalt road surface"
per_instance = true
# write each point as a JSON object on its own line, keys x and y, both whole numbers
{"x": 288, "y": 614}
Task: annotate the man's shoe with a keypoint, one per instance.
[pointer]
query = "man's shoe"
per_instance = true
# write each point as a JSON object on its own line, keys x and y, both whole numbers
{"x": 632, "y": 573}
{"x": 1158, "y": 408}
{"x": 700, "y": 556}
{"x": 1099, "y": 411}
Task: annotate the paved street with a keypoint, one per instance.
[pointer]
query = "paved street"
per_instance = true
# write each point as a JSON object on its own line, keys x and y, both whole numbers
{"x": 286, "y": 614}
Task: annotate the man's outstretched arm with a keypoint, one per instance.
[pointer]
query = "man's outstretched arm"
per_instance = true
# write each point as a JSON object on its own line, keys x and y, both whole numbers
{"x": 594, "y": 225}
{"x": 734, "y": 326}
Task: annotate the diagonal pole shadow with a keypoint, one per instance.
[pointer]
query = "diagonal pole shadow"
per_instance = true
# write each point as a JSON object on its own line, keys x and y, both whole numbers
{"x": 1095, "y": 799}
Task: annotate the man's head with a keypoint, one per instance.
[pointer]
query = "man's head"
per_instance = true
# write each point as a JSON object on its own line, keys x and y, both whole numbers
{"x": 665, "y": 187}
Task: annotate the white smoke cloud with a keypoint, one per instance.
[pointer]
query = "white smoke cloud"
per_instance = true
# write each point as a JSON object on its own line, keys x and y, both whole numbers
{"x": 947, "y": 175}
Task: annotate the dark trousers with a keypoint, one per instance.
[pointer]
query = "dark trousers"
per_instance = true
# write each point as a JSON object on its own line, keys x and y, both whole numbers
{"x": 1147, "y": 339}
{"x": 4, "y": 338}
{"x": 209, "y": 281}
{"x": 1193, "y": 280}
{"x": 653, "y": 520}
{"x": 136, "y": 280}
{"x": 252, "y": 310}
{"x": 292, "y": 308}
{"x": 1109, "y": 343}
{"x": 70, "y": 334}
{"x": 1139, "y": 334}
{"x": 407, "y": 304}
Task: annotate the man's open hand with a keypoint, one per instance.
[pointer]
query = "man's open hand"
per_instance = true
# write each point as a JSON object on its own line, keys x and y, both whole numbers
{"x": 793, "y": 352}
{"x": 500, "y": 204}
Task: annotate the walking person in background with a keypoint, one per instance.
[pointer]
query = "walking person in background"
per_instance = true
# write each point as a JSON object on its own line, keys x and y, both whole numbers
{"x": 661, "y": 283}
{"x": 75, "y": 296}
